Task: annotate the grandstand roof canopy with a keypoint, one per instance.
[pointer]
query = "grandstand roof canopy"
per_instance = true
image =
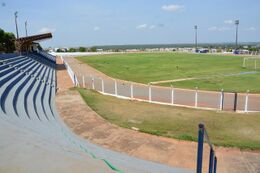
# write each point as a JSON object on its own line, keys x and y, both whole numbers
{"x": 23, "y": 43}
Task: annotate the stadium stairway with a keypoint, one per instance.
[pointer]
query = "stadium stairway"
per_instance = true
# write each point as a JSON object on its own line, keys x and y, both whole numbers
{"x": 33, "y": 138}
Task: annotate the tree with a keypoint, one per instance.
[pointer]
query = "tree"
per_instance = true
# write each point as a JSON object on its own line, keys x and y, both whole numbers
{"x": 6, "y": 42}
{"x": 59, "y": 50}
{"x": 82, "y": 49}
{"x": 72, "y": 50}
{"x": 93, "y": 49}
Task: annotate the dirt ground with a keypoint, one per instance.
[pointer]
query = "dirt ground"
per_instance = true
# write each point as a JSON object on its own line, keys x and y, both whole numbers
{"x": 87, "y": 124}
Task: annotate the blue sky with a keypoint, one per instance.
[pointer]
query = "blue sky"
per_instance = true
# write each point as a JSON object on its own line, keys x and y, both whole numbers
{"x": 106, "y": 22}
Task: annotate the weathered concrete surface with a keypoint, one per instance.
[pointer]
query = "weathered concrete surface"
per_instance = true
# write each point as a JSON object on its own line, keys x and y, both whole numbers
{"x": 39, "y": 141}
{"x": 86, "y": 123}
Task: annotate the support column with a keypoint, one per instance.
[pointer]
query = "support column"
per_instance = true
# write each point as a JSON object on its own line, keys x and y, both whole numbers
{"x": 93, "y": 83}
{"x": 196, "y": 98}
{"x": 132, "y": 91}
{"x": 150, "y": 93}
{"x": 246, "y": 101}
{"x": 172, "y": 96}
{"x": 116, "y": 88}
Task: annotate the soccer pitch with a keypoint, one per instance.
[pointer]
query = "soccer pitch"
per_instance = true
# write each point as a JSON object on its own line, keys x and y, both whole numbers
{"x": 211, "y": 72}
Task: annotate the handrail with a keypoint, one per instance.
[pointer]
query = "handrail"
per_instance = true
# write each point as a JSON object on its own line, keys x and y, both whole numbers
{"x": 212, "y": 157}
{"x": 70, "y": 72}
{"x": 48, "y": 56}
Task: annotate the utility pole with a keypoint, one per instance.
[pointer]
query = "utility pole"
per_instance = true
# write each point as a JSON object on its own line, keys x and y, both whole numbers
{"x": 26, "y": 28}
{"x": 236, "y": 23}
{"x": 16, "y": 15}
{"x": 196, "y": 37}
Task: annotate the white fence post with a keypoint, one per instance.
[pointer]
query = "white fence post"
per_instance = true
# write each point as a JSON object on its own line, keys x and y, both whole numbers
{"x": 221, "y": 100}
{"x": 150, "y": 93}
{"x": 196, "y": 98}
{"x": 172, "y": 95}
{"x": 93, "y": 83}
{"x": 102, "y": 85}
{"x": 246, "y": 101}
{"x": 115, "y": 87}
{"x": 132, "y": 91}
{"x": 83, "y": 81}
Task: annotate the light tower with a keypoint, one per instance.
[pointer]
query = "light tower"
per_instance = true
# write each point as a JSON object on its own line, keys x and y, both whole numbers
{"x": 196, "y": 37}
{"x": 236, "y": 23}
{"x": 25, "y": 24}
{"x": 15, "y": 16}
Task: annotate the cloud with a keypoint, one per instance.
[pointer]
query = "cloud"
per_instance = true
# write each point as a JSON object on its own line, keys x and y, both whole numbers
{"x": 142, "y": 26}
{"x": 96, "y": 28}
{"x": 224, "y": 28}
{"x": 251, "y": 28}
{"x": 173, "y": 7}
{"x": 145, "y": 26}
{"x": 215, "y": 28}
{"x": 228, "y": 21}
{"x": 46, "y": 30}
{"x": 152, "y": 27}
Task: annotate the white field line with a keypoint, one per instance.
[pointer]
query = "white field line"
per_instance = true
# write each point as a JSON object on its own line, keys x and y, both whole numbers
{"x": 175, "y": 80}
{"x": 207, "y": 77}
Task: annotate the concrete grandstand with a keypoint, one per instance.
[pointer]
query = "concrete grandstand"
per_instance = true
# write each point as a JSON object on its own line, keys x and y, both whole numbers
{"x": 33, "y": 138}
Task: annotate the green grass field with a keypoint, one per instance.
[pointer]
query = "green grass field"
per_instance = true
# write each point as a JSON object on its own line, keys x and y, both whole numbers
{"x": 231, "y": 83}
{"x": 150, "y": 67}
{"x": 224, "y": 128}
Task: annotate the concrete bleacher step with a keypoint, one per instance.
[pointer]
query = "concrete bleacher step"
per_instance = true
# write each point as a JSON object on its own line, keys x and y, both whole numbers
{"x": 33, "y": 96}
{"x": 9, "y": 68}
{"x": 19, "y": 90}
{"x": 28, "y": 91}
{"x": 11, "y": 88}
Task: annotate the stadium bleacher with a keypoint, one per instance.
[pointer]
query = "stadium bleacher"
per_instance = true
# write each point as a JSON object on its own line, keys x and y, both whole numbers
{"x": 32, "y": 132}
{"x": 16, "y": 75}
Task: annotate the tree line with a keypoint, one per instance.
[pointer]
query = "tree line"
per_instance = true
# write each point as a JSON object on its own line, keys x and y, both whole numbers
{"x": 6, "y": 42}
{"x": 80, "y": 49}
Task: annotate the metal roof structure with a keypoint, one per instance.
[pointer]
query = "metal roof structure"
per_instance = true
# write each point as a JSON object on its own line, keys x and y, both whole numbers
{"x": 23, "y": 43}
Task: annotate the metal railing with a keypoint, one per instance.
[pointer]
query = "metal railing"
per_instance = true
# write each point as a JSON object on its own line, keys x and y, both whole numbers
{"x": 203, "y": 136}
{"x": 70, "y": 72}
{"x": 48, "y": 56}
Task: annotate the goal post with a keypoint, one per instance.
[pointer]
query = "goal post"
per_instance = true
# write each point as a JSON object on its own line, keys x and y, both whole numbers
{"x": 251, "y": 62}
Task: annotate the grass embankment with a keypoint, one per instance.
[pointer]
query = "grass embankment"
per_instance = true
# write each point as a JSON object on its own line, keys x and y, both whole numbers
{"x": 225, "y": 129}
{"x": 151, "y": 67}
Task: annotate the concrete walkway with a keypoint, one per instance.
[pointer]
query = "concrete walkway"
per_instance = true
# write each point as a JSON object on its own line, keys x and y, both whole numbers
{"x": 89, "y": 125}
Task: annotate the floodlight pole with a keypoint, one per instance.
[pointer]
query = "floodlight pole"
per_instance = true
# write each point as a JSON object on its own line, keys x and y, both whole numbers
{"x": 26, "y": 32}
{"x": 236, "y": 23}
{"x": 196, "y": 37}
{"x": 15, "y": 16}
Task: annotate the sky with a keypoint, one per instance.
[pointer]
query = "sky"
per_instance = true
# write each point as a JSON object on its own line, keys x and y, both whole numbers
{"x": 115, "y": 22}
